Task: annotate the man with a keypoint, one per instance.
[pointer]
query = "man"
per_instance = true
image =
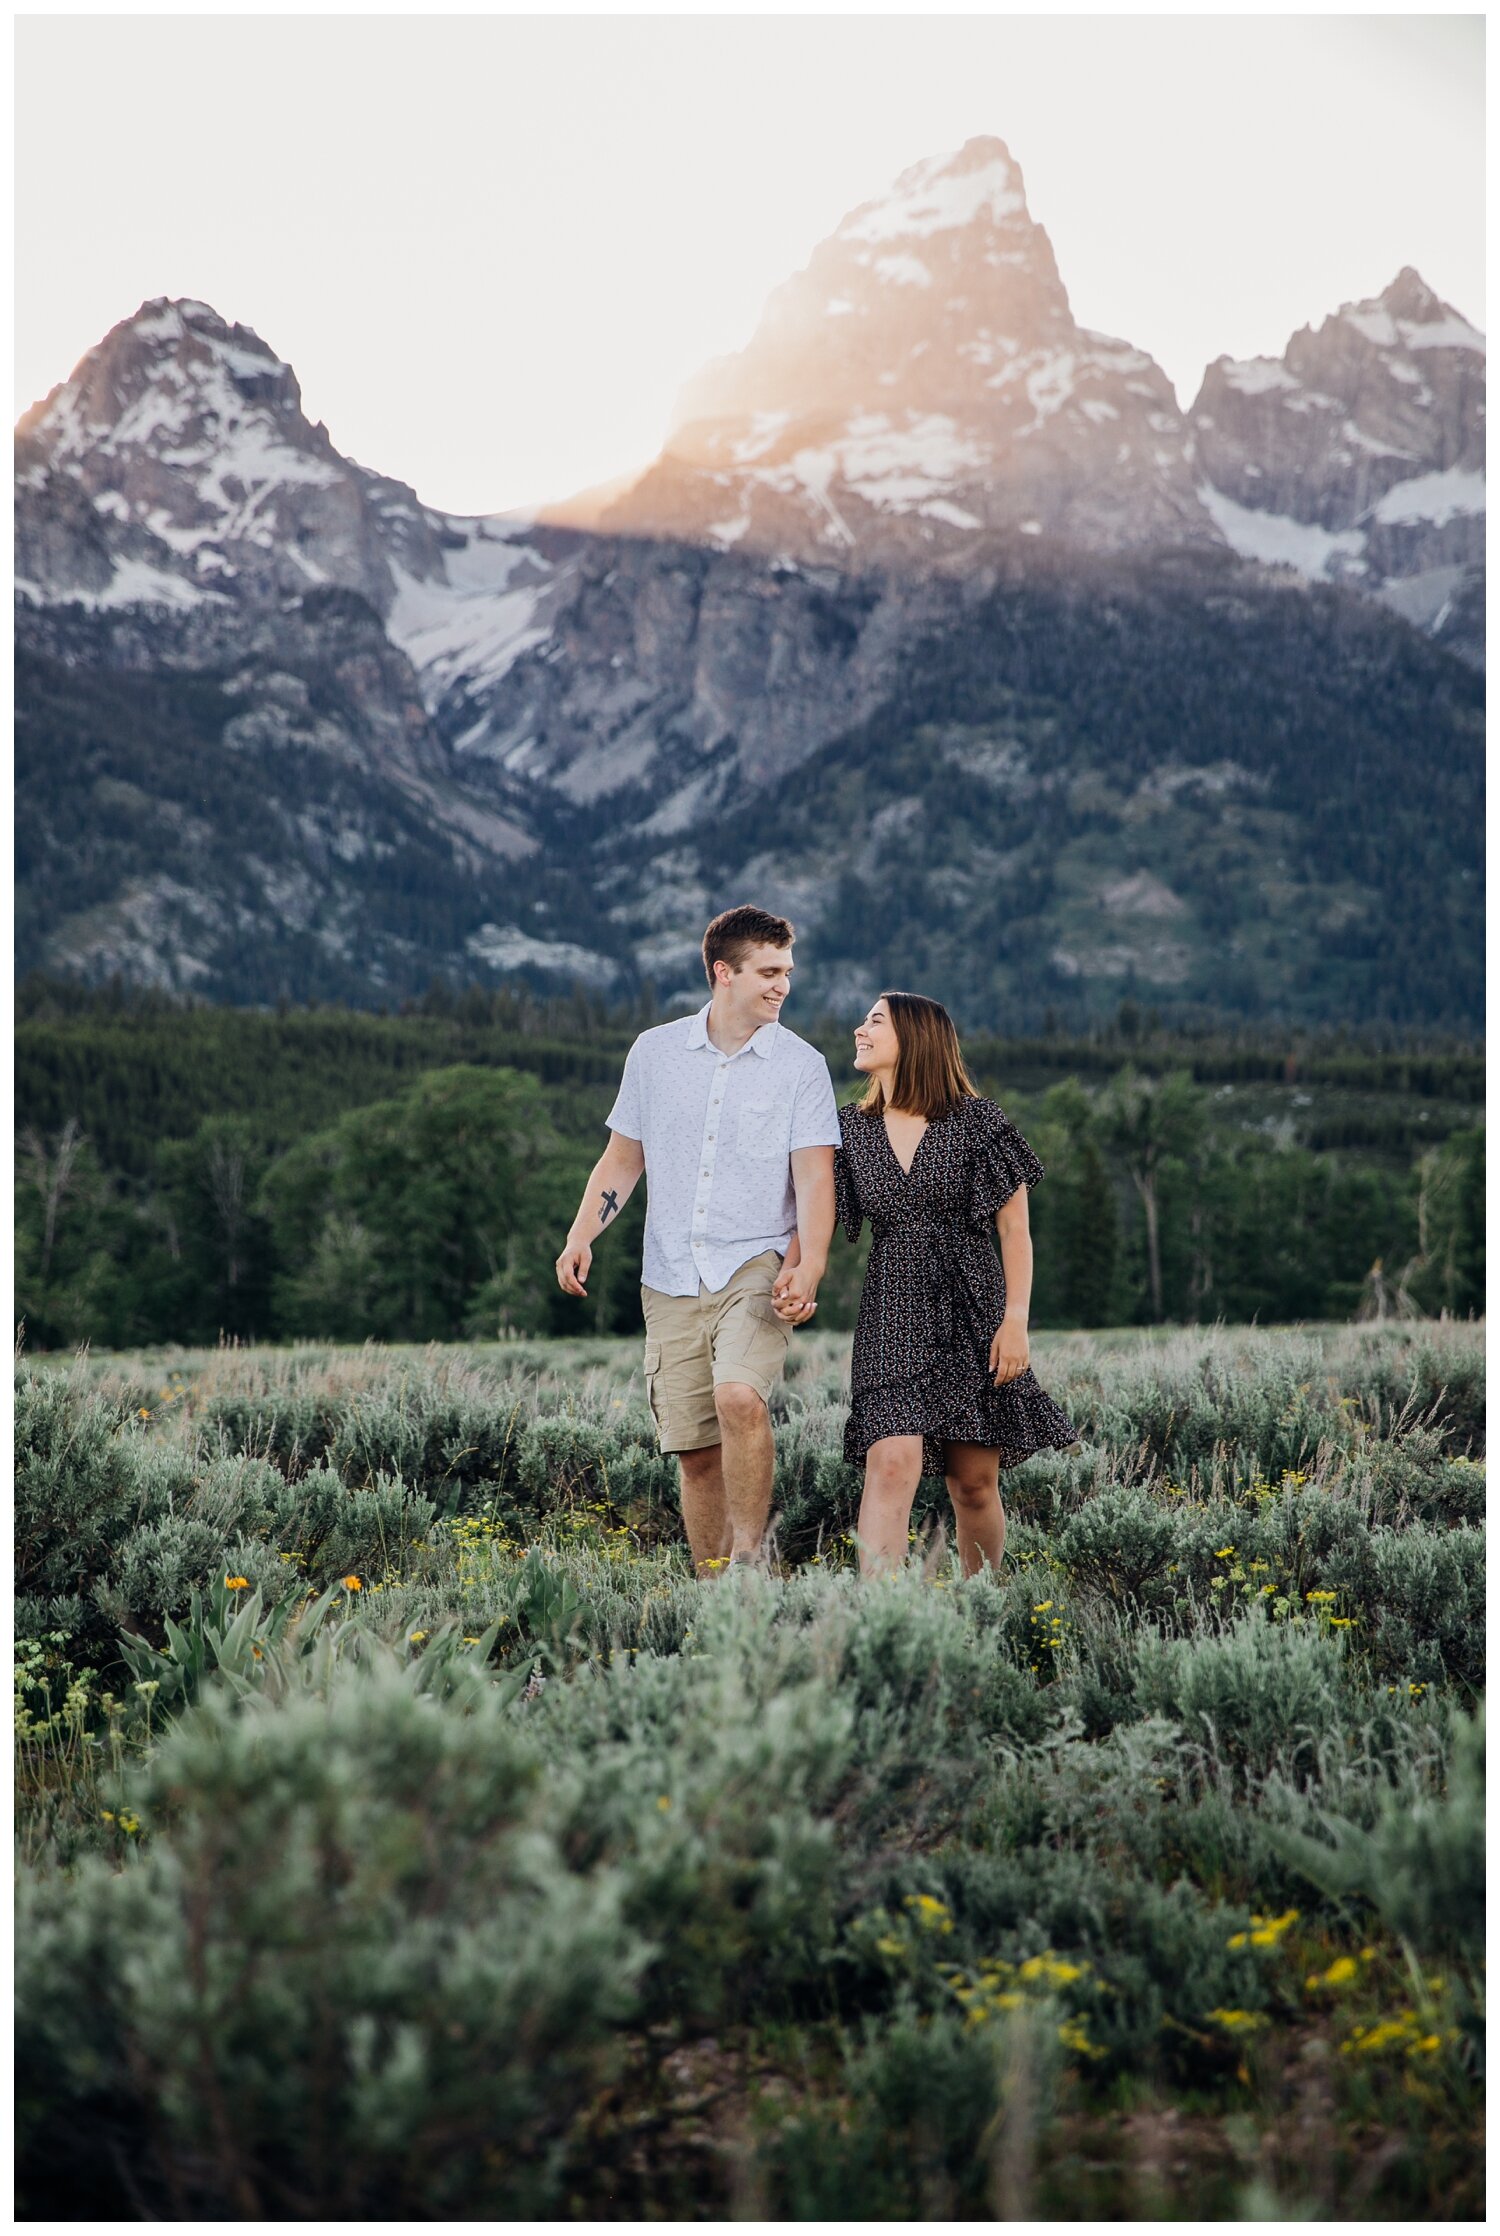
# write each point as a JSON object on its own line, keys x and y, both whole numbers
{"x": 733, "y": 1120}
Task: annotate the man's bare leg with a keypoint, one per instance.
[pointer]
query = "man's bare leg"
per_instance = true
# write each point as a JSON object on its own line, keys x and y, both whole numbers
{"x": 705, "y": 1516}
{"x": 749, "y": 1464}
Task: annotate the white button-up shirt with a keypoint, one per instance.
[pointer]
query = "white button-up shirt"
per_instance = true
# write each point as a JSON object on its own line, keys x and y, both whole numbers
{"x": 718, "y": 1132}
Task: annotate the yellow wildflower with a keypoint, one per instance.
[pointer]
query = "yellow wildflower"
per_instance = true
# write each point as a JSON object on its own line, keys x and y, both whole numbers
{"x": 236, "y": 1583}
{"x": 1052, "y": 1968}
{"x": 931, "y": 1914}
{"x": 353, "y": 1584}
{"x": 1342, "y": 1969}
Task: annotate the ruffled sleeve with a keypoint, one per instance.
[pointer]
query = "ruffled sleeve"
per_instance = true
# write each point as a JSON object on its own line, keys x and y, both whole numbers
{"x": 846, "y": 1196}
{"x": 1001, "y": 1159}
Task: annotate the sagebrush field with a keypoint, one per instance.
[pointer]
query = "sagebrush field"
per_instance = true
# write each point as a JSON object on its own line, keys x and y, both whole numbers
{"x": 405, "y": 1834}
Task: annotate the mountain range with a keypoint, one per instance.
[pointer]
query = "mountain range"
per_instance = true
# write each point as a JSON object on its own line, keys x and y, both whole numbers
{"x": 937, "y": 623}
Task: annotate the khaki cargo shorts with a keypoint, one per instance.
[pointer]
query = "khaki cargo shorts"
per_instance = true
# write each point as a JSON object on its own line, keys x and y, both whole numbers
{"x": 720, "y": 1335}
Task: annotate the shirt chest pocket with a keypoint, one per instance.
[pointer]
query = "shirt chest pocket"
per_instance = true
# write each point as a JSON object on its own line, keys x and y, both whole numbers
{"x": 761, "y": 1130}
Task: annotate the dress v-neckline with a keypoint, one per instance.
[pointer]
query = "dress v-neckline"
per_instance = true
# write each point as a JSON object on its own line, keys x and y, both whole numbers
{"x": 904, "y": 1170}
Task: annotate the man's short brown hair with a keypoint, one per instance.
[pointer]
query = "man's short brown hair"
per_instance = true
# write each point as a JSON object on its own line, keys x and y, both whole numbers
{"x": 730, "y": 937}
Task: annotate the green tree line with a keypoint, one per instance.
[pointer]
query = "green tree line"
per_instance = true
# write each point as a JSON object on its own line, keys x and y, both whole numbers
{"x": 186, "y": 1174}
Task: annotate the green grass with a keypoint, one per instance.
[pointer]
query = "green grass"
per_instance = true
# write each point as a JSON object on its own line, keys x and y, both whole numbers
{"x": 463, "y": 1857}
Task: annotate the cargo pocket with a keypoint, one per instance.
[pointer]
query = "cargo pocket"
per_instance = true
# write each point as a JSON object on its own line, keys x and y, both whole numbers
{"x": 652, "y": 1368}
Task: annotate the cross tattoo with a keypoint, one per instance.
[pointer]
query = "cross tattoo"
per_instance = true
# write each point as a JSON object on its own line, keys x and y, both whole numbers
{"x": 611, "y": 1205}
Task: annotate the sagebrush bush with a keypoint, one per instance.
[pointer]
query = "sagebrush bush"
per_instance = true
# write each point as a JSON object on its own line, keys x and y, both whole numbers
{"x": 352, "y": 1922}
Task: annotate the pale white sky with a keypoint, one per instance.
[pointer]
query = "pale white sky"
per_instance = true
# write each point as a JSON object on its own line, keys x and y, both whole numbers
{"x": 493, "y": 247}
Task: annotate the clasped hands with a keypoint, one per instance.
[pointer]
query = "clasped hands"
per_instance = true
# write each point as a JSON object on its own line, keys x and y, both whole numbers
{"x": 794, "y": 1293}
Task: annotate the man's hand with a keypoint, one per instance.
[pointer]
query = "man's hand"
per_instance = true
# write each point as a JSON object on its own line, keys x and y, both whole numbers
{"x": 795, "y": 1291}
{"x": 1010, "y": 1351}
{"x": 572, "y": 1268}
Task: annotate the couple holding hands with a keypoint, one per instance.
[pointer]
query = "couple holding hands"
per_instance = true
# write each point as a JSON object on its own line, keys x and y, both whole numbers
{"x": 749, "y": 1164}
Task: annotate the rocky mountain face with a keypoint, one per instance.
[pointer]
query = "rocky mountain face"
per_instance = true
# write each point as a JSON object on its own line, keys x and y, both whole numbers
{"x": 1358, "y": 456}
{"x": 286, "y": 728}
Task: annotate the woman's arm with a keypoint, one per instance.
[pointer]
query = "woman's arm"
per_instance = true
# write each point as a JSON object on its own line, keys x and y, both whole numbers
{"x": 1010, "y": 1351}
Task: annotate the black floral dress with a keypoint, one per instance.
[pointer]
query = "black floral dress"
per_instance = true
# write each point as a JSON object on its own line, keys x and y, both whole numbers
{"x": 934, "y": 1290}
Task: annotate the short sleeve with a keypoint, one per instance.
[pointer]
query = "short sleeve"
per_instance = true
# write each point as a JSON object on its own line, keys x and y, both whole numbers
{"x": 626, "y": 1116}
{"x": 846, "y": 1196}
{"x": 815, "y": 1114}
{"x": 1001, "y": 1160}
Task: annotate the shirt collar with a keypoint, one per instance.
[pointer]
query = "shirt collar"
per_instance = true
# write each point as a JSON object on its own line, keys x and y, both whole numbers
{"x": 762, "y": 1040}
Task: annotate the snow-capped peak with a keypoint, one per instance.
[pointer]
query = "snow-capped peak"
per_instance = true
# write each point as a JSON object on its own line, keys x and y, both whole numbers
{"x": 981, "y": 181}
{"x": 921, "y": 381}
{"x": 167, "y": 375}
{"x": 1409, "y": 316}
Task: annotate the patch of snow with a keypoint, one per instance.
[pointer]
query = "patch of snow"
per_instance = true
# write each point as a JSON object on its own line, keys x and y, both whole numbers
{"x": 898, "y": 468}
{"x": 765, "y": 426}
{"x": 1355, "y": 434}
{"x": 814, "y": 470}
{"x": 163, "y": 526}
{"x": 1254, "y": 376}
{"x": 1098, "y": 410}
{"x": 1423, "y": 599}
{"x": 149, "y": 416}
{"x": 1375, "y": 323}
{"x": 1050, "y": 385}
{"x": 726, "y": 532}
{"x": 163, "y": 323}
{"x": 1275, "y": 539}
{"x": 953, "y": 516}
{"x": 506, "y": 947}
{"x": 249, "y": 364}
{"x": 838, "y": 308}
{"x": 473, "y": 624}
{"x": 931, "y": 198}
{"x": 1113, "y": 356}
{"x": 1442, "y": 333}
{"x": 903, "y": 271}
{"x": 137, "y": 584}
{"x": 1453, "y": 494}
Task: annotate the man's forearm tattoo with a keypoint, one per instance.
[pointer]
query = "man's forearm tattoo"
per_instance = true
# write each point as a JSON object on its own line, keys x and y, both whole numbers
{"x": 609, "y": 1204}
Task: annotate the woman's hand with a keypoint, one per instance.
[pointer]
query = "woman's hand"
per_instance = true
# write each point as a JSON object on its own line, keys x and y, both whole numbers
{"x": 794, "y": 1293}
{"x": 1010, "y": 1351}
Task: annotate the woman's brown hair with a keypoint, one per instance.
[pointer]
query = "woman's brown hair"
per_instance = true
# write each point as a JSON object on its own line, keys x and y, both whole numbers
{"x": 930, "y": 1074}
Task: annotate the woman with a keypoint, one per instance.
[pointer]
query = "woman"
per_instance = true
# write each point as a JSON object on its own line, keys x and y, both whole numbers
{"x": 941, "y": 1379}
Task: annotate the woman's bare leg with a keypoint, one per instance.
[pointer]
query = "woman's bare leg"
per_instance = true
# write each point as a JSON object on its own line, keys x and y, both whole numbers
{"x": 972, "y": 1472}
{"x": 893, "y": 1469}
